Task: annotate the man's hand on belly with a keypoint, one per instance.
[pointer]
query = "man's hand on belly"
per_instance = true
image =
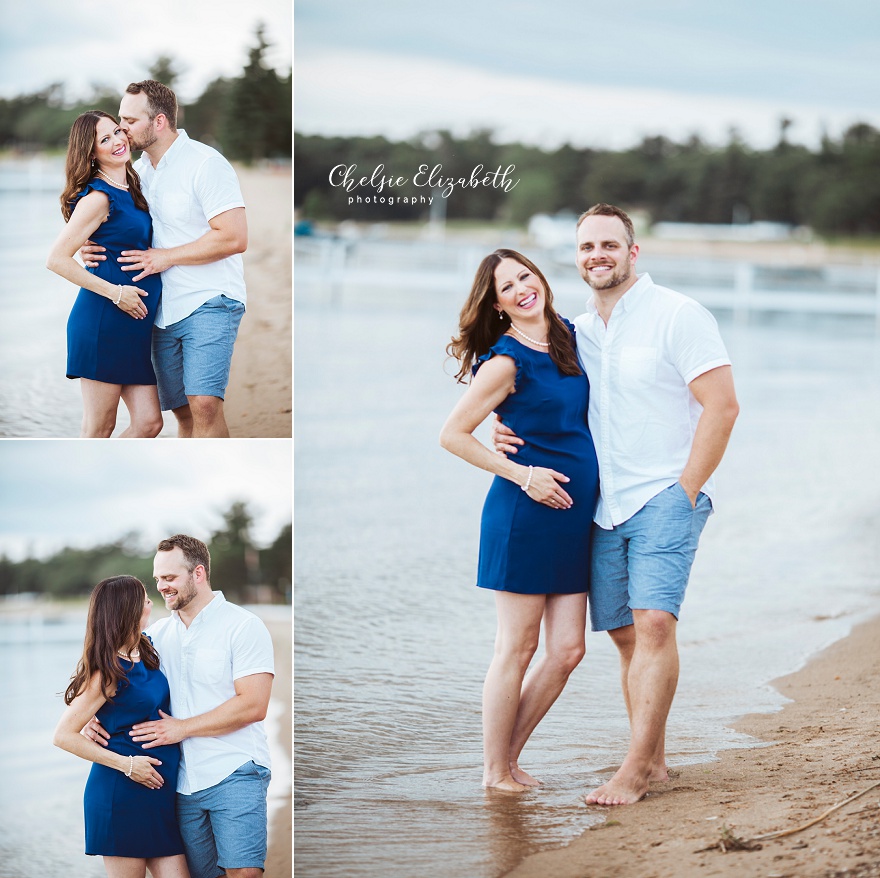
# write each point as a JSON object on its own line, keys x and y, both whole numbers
{"x": 159, "y": 732}
{"x": 152, "y": 261}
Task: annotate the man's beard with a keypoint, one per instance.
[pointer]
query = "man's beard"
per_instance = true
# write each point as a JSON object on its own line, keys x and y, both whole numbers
{"x": 186, "y": 595}
{"x": 617, "y": 276}
{"x": 142, "y": 144}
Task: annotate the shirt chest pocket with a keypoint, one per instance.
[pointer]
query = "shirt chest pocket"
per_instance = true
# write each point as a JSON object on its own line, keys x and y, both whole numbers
{"x": 209, "y": 666}
{"x": 638, "y": 367}
{"x": 177, "y": 208}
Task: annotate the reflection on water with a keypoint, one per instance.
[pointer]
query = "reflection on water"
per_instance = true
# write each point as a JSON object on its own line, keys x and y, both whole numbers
{"x": 392, "y": 638}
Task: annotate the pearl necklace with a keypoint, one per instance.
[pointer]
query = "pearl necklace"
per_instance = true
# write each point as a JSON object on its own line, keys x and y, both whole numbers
{"x": 111, "y": 181}
{"x": 543, "y": 344}
{"x": 134, "y": 654}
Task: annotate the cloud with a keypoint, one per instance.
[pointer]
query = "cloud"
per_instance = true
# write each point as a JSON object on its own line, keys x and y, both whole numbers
{"x": 84, "y": 43}
{"x": 71, "y": 492}
{"x": 748, "y": 50}
{"x": 357, "y": 92}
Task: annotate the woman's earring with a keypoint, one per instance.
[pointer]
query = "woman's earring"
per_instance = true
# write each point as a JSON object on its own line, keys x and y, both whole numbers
{"x": 500, "y": 314}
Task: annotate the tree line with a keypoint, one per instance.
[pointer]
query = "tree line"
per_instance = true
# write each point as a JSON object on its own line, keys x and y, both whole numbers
{"x": 833, "y": 189}
{"x": 247, "y": 118}
{"x": 241, "y": 570}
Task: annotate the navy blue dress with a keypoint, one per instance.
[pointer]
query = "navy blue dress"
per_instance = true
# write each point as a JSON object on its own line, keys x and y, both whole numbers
{"x": 124, "y": 818}
{"x": 103, "y": 342}
{"x": 525, "y": 546}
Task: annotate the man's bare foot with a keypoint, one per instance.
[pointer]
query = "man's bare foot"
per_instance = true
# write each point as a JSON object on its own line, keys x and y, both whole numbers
{"x": 506, "y": 785}
{"x": 659, "y": 774}
{"x": 622, "y": 789}
{"x": 523, "y": 777}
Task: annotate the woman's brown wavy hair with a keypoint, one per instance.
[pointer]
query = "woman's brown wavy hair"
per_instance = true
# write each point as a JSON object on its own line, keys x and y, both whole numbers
{"x": 113, "y": 623}
{"x": 80, "y": 168}
{"x": 479, "y": 325}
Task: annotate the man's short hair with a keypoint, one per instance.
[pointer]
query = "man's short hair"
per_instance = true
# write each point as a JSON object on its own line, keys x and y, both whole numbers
{"x": 160, "y": 99}
{"x": 194, "y": 551}
{"x": 602, "y": 209}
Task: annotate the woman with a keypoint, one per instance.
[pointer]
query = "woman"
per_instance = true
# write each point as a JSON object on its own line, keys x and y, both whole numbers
{"x": 110, "y": 327}
{"x": 535, "y": 531}
{"x": 129, "y": 801}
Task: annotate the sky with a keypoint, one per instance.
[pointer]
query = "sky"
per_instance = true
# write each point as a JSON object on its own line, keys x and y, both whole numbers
{"x": 585, "y": 72}
{"x": 85, "y": 42}
{"x": 56, "y": 493}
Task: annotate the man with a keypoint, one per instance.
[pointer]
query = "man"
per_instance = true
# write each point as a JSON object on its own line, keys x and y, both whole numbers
{"x": 219, "y": 664}
{"x": 662, "y": 406}
{"x": 199, "y": 232}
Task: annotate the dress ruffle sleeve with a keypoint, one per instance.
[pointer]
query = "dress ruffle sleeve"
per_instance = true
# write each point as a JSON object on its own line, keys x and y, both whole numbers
{"x": 96, "y": 185}
{"x": 504, "y": 347}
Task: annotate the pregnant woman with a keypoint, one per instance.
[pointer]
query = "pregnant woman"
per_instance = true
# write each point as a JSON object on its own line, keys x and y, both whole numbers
{"x": 535, "y": 531}
{"x": 129, "y": 802}
{"x": 110, "y": 328}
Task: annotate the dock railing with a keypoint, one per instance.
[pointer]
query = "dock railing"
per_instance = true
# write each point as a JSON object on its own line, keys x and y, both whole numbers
{"x": 335, "y": 269}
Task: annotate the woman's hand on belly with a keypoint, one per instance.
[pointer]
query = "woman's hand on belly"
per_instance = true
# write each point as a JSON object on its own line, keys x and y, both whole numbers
{"x": 544, "y": 487}
{"x": 142, "y": 772}
{"x": 130, "y": 302}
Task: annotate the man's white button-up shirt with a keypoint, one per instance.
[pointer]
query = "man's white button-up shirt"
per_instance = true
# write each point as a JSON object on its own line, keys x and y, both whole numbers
{"x": 191, "y": 184}
{"x": 642, "y": 414}
{"x": 222, "y": 644}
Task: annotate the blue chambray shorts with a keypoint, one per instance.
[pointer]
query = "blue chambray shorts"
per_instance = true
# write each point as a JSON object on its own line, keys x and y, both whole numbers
{"x": 192, "y": 357}
{"x": 224, "y": 826}
{"x": 645, "y": 562}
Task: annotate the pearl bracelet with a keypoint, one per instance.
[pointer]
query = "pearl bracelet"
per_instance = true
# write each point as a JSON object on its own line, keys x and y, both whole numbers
{"x": 525, "y": 487}
{"x": 119, "y": 297}
{"x": 130, "y": 766}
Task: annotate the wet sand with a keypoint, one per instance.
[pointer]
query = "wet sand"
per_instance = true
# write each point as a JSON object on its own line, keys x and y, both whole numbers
{"x": 258, "y": 399}
{"x": 819, "y": 750}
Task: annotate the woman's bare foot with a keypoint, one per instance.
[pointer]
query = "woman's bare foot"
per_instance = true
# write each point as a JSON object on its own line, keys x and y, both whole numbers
{"x": 523, "y": 777}
{"x": 506, "y": 785}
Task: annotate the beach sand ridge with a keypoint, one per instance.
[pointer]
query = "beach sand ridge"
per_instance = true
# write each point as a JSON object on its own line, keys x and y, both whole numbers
{"x": 818, "y": 750}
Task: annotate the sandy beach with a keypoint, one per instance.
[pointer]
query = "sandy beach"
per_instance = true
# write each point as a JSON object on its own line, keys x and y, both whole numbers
{"x": 258, "y": 399}
{"x": 821, "y": 749}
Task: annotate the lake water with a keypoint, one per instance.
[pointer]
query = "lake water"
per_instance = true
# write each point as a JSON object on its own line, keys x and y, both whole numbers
{"x": 393, "y": 639}
{"x": 36, "y": 400}
{"x": 41, "y": 823}
{"x": 41, "y": 797}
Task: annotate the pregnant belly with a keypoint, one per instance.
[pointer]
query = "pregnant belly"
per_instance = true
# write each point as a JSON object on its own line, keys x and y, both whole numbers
{"x": 111, "y": 271}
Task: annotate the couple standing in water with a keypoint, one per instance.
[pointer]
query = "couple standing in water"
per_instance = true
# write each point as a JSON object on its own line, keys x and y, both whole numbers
{"x": 609, "y": 431}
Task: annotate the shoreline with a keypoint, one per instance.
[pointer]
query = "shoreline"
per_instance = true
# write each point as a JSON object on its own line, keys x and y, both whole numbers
{"x": 817, "y": 751}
